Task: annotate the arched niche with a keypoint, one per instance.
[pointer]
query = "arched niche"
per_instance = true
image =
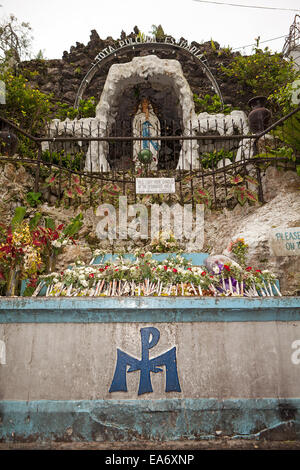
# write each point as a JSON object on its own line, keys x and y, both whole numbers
{"x": 158, "y": 74}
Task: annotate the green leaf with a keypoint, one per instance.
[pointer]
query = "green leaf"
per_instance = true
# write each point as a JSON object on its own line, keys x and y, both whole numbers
{"x": 251, "y": 180}
{"x": 33, "y": 198}
{"x": 49, "y": 223}
{"x": 236, "y": 179}
{"x": 35, "y": 220}
{"x": 74, "y": 226}
{"x": 241, "y": 197}
{"x": 18, "y": 217}
{"x": 251, "y": 195}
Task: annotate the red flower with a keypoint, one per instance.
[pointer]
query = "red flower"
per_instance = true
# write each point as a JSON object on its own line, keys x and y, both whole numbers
{"x": 142, "y": 255}
{"x": 101, "y": 270}
{"x": 62, "y": 273}
{"x": 60, "y": 227}
{"x": 203, "y": 273}
{"x": 91, "y": 275}
{"x": 32, "y": 283}
{"x": 189, "y": 269}
{"x": 165, "y": 268}
{"x": 258, "y": 271}
{"x": 226, "y": 267}
{"x": 174, "y": 270}
{"x": 116, "y": 270}
{"x": 71, "y": 238}
{"x": 249, "y": 268}
{"x": 106, "y": 267}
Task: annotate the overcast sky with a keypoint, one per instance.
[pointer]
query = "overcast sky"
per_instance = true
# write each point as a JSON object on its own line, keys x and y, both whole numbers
{"x": 58, "y": 24}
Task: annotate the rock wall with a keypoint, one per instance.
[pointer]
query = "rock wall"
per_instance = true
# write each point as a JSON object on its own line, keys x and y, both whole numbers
{"x": 62, "y": 77}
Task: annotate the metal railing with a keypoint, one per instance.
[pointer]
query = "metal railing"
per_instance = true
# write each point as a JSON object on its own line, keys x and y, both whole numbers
{"x": 215, "y": 161}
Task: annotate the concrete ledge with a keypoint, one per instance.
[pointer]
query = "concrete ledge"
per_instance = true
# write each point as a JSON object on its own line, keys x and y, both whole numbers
{"x": 152, "y": 420}
{"x": 147, "y": 309}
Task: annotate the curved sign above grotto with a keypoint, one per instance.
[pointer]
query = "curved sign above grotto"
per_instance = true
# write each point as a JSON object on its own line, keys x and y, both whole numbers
{"x": 151, "y": 45}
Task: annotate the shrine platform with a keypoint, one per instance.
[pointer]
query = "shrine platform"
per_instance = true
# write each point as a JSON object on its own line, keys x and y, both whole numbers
{"x": 237, "y": 364}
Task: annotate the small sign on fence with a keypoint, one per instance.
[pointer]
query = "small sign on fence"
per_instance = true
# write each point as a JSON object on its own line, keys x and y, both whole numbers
{"x": 155, "y": 185}
{"x": 285, "y": 241}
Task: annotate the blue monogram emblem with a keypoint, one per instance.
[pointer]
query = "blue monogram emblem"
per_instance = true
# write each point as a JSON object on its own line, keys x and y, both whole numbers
{"x": 146, "y": 365}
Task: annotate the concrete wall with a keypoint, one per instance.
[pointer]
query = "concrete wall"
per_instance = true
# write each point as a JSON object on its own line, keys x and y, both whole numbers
{"x": 238, "y": 364}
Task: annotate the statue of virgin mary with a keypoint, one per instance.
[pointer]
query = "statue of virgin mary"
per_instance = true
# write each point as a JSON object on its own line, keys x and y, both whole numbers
{"x": 146, "y": 124}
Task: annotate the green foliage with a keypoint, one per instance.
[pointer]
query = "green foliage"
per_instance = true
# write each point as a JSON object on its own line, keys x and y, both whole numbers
{"x": 33, "y": 198}
{"x": 240, "y": 191}
{"x": 281, "y": 152}
{"x": 240, "y": 249}
{"x": 18, "y": 216}
{"x": 158, "y": 32}
{"x": 261, "y": 73}
{"x": 86, "y": 108}
{"x": 283, "y": 97}
{"x": 213, "y": 46}
{"x": 70, "y": 186}
{"x": 141, "y": 36}
{"x": 27, "y": 107}
{"x": 67, "y": 160}
{"x": 225, "y": 51}
{"x": 202, "y": 196}
{"x": 49, "y": 223}
{"x": 40, "y": 55}
{"x": 111, "y": 193}
{"x": 210, "y": 104}
{"x": 74, "y": 226}
{"x": 34, "y": 221}
{"x": 211, "y": 159}
{"x": 289, "y": 132}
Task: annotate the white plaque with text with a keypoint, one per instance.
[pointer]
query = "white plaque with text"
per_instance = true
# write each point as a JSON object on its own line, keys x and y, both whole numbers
{"x": 285, "y": 241}
{"x": 155, "y": 185}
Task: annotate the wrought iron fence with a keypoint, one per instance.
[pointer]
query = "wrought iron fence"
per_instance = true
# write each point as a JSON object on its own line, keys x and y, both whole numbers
{"x": 214, "y": 160}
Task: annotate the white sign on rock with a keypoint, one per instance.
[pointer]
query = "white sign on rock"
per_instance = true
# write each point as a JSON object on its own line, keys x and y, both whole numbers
{"x": 155, "y": 185}
{"x": 285, "y": 241}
